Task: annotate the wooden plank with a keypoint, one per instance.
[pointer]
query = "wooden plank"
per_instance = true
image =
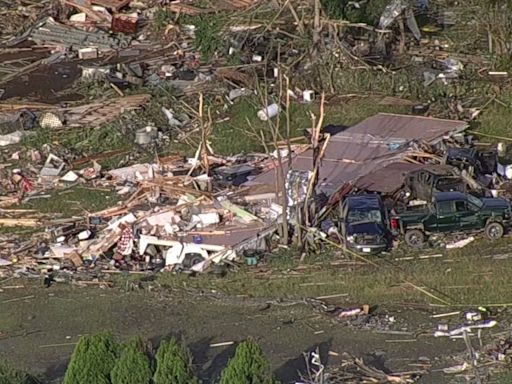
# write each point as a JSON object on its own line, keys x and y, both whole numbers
{"x": 114, "y": 5}
{"x": 19, "y": 222}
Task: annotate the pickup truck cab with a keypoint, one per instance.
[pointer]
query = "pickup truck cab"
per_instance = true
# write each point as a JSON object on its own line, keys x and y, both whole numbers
{"x": 425, "y": 182}
{"x": 364, "y": 224}
{"x": 453, "y": 212}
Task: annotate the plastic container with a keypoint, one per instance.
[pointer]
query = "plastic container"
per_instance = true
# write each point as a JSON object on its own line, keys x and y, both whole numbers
{"x": 308, "y": 95}
{"x": 269, "y": 112}
{"x": 502, "y": 149}
{"x": 251, "y": 260}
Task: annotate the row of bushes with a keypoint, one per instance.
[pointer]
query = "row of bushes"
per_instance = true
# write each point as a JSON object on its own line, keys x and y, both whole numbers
{"x": 98, "y": 359}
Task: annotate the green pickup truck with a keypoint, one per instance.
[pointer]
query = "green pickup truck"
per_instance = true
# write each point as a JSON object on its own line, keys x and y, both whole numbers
{"x": 452, "y": 212}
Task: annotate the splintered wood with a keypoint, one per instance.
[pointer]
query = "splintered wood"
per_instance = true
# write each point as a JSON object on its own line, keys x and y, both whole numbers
{"x": 219, "y": 5}
{"x": 94, "y": 115}
{"x": 114, "y": 5}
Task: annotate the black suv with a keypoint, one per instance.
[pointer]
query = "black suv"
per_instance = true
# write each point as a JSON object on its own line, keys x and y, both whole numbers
{"x": 364, "y": 224}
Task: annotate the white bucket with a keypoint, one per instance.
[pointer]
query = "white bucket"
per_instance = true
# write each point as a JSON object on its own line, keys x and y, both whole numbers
{"x": 269, "y": 112}
{"x": 502, "y": 148}
{"x": 257, "y": 58}
{"x": 508, "y": 172}
{"x": 308, "y": 95}
{"x": 236, "y": 93}
{"x": 276, "y": 72}
{"x": 84, "y": 235}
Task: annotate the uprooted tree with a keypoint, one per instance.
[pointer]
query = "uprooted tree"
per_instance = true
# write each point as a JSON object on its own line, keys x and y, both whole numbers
{"x": 132, "y": 366}
{"x": 173, "y": 364}
{"x": 249, "y": 365}
{"x": 92, "y": 360}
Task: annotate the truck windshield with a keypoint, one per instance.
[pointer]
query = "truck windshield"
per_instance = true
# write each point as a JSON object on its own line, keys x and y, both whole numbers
{"x": 475, "y": 201}
{"x": 364, "y": 215}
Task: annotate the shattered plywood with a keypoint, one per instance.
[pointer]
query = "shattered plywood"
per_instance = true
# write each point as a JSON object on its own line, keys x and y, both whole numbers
{"x": 94, "y": 115}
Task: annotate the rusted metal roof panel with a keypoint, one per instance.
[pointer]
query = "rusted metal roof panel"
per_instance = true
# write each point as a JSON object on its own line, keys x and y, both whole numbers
{"x": 368, "y": 147}
{"x": 387, "y": 179}
{"x": 408, "y": 127}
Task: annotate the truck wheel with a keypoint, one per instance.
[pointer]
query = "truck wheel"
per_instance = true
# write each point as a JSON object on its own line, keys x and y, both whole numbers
{"x": 414, "y": 238}
{"x": 494, "y": 231}
{"x": 192, "y": 259}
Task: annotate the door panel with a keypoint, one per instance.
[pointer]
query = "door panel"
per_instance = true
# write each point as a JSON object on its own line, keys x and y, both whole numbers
{"x": 447, "y": 219}
{"x": 467, "y": 216}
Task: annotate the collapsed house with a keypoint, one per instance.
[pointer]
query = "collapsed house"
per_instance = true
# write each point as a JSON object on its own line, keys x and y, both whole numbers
{"x": 372, "y": 155}
{"x": 173, "y": 221}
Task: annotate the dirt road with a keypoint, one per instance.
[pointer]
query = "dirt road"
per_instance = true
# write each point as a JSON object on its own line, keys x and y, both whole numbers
{"x": 39, "y": 326}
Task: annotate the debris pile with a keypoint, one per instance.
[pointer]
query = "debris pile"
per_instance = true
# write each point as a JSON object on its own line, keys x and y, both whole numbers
{"x": 172, "y": 219}
{"x": 162, "y": 74}
{"x": 352, "y": 370}
{"x": 362, "y": 317}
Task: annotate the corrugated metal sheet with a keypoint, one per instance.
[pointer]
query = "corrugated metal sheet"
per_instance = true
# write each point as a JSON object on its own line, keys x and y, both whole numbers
{"x": 389, "y": 125}
{"x": 386, "y": 179}
{"x": 368, "y": 147}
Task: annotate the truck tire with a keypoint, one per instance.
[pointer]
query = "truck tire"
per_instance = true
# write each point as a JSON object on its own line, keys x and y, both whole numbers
{"x": 192, "y": 259}
{"x": 414, "y": 238}
{"x": 494, "y": 231}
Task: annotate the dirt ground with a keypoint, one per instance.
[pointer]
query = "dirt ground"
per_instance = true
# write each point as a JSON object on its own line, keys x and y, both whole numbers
{"x": 38, "y": 327}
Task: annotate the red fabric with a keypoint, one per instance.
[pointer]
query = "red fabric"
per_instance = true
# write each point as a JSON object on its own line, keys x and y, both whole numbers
{"x": 126, "y": 241}
{"x": 26, "y": 185}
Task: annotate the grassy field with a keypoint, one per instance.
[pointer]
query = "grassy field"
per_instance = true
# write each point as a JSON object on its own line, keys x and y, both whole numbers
{"x": 239, "y": 134}
{"x": 468, "y": 277}
{"x": 78, "y": 200}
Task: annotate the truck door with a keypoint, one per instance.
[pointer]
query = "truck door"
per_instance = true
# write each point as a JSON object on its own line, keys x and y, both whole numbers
{"x": 466, "y": 215}
{"x": 446, "y": 216}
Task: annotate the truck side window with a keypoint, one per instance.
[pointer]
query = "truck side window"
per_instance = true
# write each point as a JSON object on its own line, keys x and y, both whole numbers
{"x": 460, "y": 206}
{"x": 445, "y": 207}
{"x": 473, "y": 208}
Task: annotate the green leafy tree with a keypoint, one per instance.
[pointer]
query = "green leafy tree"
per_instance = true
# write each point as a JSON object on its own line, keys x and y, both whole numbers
{"x": 92, "y": 361}
{"x": 132, "y": 366}
{"x": 248, "y": 366}
{"x": 9, "y": 375}
{"x": 173, "y": 364}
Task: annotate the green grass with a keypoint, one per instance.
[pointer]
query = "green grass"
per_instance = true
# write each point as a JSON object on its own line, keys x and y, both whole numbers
{"x": 495, "y": 120}
{"x": 81, "y": 140}
{"x": 239, "y": 133}
{"x": 502, "y": 378}
{"x": 462, "y": 277}
{"x": 208, "y": 33}
{"x": 74, "y": 201}
{"x": 161, "y": 18}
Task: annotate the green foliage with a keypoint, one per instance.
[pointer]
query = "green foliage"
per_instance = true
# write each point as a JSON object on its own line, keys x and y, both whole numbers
{"x": 249, "y": 365}
{"x": 368, "y": 12}
{"x": 84, "y": 141}
{"x": 173, "y": 364}
{"x": 9, "y": 375}
{"x": 161, "y": 18}
{"x": 38, "y": 138}
{"x": 132, "y": 366}
{"x": 96, "y": 140}
{"x": 92, "y": 361}
{"x": 65, "y": 201}
{"x": 209, "y": 37}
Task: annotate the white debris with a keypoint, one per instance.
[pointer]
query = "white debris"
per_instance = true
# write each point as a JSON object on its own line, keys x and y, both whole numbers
{"x": 70, "y": 176}
{"x": 11, "y": 138}
{"x": 50, "y": 120}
